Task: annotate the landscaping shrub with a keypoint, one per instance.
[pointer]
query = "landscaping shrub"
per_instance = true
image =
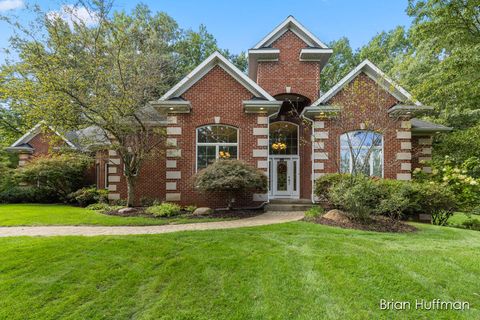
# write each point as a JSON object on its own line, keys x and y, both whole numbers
{"x": 361, "y": 196}
{"x": 61, "y": 173}
{"x": 190, "y": 208}
{"x": 314, "y": 212}
{"x": 462, "y": 179}
{"x": 436, "y": 200}
{"x": 165, "y": 209}
{"x": 27, "y": 194}
{"x": 119, "y": 202}
{"x": 232, "y": 177}
{"x": 102, "y": 207}
{"x": 6, "y": 170}
{"x": 472, "y": 224}
{"x": 394, "y": 198}
{"x": 149, "y": 201}
{"x": 89, "y": 195}
{"x": 326, "y": 182}
{"x": 358, "y": 197}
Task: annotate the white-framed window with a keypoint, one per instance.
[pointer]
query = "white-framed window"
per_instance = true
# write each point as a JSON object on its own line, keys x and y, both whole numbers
{"x": 362, "y": 152}
{"x": 216, "y": 142}
{"x": 283, "y": 138}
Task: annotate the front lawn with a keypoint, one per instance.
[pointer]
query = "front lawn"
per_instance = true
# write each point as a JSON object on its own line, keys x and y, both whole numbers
{"x": 288, "y": 271}
{"x": 56, "y": 214}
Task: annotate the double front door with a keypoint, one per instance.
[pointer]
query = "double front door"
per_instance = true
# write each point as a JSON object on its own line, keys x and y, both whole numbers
{"x": 284, "y": 177}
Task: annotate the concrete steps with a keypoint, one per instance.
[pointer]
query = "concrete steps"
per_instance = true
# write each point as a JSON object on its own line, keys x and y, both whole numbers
{"x": 289, "y": 205}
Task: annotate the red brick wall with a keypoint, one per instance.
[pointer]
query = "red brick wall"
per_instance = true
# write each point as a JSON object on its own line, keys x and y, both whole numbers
{"x": 43, "y": 144}
{"x": 305, "y": 152}
{"x": 217, "y": 94}
{"x": 363, "y": 101}
{"x": 303, "y": 77}
{"x": 150, "y": 183}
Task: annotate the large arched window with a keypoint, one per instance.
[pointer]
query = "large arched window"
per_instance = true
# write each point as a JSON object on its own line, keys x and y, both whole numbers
{"x": 216, "y": 142}
{"x": 283, "y": 138}
{"x": 361, "y": 152}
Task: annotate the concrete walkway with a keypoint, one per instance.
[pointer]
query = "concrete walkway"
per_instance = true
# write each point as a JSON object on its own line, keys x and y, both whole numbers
{"x": 47, "y": 231}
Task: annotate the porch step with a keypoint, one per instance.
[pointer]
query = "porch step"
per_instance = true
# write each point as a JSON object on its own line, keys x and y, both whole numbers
{"x": 289, "y": 205}
{"x": 291, "y": 201}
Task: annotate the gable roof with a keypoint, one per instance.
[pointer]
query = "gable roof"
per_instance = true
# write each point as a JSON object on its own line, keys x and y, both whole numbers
{"x": 296, "y": 27}
{"x": 22, "y": 143}
{"x": 375, "y": 74}
{"x": 202, "y": 69}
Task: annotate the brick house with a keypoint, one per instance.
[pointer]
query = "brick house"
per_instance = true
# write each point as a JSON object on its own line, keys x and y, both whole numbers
{"x": 277, "y": 120}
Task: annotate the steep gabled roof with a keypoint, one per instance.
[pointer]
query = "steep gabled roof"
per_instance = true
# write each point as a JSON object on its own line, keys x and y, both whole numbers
{"x": 202, "y": 69}
{"x": 296, "y": 27}
{"x": 22, "y": 143}
{"x": 374, "y": 73}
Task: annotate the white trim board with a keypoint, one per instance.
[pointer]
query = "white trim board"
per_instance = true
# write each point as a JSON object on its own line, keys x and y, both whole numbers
{"x": 208, "y": 64}
{"x": 375, "y": 74}
{"x": 297, "y": 28}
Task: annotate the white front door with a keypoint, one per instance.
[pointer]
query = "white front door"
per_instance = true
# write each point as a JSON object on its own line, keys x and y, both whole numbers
{"x": 284, "y": 177}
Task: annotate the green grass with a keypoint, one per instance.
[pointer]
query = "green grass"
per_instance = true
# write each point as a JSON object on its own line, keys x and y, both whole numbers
{"x": 288, "y": 271}
{"x": 458, "y": 218}
{"x": 48, "y": 214}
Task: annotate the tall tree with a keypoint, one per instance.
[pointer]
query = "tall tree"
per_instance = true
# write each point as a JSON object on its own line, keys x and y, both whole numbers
{"x": 446, "y": 35}
{"x": 11, "y": 126}
{"x": 340, "y": 63}
{"x": 101, "y": 74}
{"x": 387, "y": 49}
{"x": 195, "y": 46}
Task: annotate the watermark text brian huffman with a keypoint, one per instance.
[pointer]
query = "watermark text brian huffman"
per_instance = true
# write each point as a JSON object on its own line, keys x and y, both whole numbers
{"x": 422, "y": 304}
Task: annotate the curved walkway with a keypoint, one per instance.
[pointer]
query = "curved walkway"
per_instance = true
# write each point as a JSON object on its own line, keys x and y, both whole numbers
{"x": 47, "y": 231}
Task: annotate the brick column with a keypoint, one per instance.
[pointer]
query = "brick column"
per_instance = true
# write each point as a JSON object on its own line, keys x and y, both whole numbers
{"x": 260, "y": 151}
{"x": 173, "y": 174}
{"x": 404, "y": 156}
{"x": 113, "y": 176}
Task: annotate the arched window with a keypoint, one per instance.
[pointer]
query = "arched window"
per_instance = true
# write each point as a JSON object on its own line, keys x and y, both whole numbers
{"x": 361, "y": 152}
{"x": 283, "y": 138}
{"x": 216, "y": 142}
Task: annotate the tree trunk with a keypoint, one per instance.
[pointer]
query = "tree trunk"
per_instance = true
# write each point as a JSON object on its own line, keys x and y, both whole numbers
{"x": 130, "y": 191}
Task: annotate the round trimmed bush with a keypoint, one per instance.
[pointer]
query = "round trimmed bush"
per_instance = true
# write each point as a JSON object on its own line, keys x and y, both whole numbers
{"x": 232, "y": 177}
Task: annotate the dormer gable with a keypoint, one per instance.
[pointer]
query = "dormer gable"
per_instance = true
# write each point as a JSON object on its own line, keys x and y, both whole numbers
{"x": 296, "y": 27}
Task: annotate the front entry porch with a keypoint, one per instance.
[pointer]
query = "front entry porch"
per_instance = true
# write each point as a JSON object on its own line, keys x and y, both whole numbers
{"x": 288, "y": 151}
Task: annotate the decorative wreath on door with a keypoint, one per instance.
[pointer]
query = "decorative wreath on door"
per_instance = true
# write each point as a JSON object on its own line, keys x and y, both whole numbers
{"x": 282, "y": 167}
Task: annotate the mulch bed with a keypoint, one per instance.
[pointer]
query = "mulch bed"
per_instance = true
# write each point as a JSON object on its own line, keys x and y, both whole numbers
{"x": 222, "y": 214}
{"x": 234, "y": 213}
{"x": 378, "y": 224}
